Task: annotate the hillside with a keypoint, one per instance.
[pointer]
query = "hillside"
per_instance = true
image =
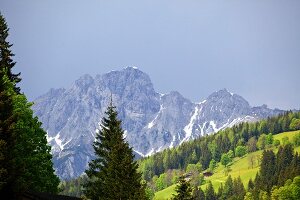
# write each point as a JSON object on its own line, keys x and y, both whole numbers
{"x": 240, "y": 167}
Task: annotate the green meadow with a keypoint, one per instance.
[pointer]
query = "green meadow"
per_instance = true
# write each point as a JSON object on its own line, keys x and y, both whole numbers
{"x": 239, "y": 167}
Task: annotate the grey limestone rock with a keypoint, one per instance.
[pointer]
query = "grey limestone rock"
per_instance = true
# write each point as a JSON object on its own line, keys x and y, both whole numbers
{"x": 152, "y": 121}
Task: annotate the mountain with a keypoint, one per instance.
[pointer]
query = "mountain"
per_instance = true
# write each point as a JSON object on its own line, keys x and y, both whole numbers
{"x": 152, "y": 121}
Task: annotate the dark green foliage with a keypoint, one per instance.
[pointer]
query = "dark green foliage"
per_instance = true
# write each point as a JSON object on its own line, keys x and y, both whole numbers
{"x": 233, "y": 189}
{"x": 6, "y": 55}
{"x": 220, "y": 192}
{"x": 267, "y": 170}
{"x": 7, "y": 139}
{"x": 25, "y": 159}
{"x": 198, "y": 194}
{"x": 238, "y": 189}
{"x": 183, "y": 189}
{"x": 72, "y": 187}
{"x": 250, "y": 185}
{"x": 113, "y": 173}
{"x": 228, "y": 188}
{"x": 275, "y": 170}
{"x": 32, "y": 157}
{"x": 294, "y": 168}
{"x": 210, "y": 193}
{"x": 276, "y": 143}
{"x": 283, "y": 161}
{"x": 205, "y": 155}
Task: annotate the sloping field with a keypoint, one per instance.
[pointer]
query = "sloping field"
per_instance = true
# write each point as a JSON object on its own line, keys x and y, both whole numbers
{"x": 240, "y": 167}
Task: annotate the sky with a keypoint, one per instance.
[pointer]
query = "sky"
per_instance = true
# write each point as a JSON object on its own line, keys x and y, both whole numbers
{"x": 195, "y": 47}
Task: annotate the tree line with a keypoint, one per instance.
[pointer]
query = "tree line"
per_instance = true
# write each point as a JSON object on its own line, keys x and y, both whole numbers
{"x": 241, "y": 138}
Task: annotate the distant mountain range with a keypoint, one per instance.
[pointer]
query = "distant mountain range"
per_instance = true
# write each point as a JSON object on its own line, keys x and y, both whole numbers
{"x": 152, "y": 121}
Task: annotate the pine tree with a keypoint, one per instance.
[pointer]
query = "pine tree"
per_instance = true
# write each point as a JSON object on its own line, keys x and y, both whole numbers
{"x": 198, "y": 194}
{"x": 267, "y": 171}
{"x": 209, "y": 192}
{"x": 6, "y": 55}
{"x": 25, "y": 159}
{"x": 284, "y": 158}
{"x": 113, "y": 173}
{"x": 220, "y": 192}
{"x": 238, "y": 189}
{"x": 183, "y": 190}
{"x": 228, "y": 188}
{"x": 250, "y": 185}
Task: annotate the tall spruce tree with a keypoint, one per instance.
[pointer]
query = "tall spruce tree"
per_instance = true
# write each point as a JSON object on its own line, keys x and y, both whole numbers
{"x": 6, "y": 54}
{"x": 228, "y": 188}
{"x": 238, "y": 189}
{"x": 198, "y": 194}
{"x": 210, "y": 192}
{"x": 183, "y": 190}
{"x": 25, "y": 159}
{"x": 113, "y": 173}
{"x": 267, "y": 171}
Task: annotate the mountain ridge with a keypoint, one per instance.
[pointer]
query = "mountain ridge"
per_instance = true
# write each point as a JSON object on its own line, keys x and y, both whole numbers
{"x": 151, "y": 121}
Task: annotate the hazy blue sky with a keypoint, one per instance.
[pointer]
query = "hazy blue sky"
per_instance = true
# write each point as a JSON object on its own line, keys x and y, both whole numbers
{"x": 250, "y": 47}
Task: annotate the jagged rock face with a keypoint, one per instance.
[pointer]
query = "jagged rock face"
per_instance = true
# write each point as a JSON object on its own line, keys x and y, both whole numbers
{"x": 152, "y": 121}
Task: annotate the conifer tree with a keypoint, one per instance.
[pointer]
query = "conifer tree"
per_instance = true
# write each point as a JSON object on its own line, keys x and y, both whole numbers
{"x": 284, "y": 158}
{"x": 250, "y": 185}
{"x": 228, "y": 188}
{"x": 25, "y": 159}
{"x": 113, "y": 173}
{"x": 267, "y": 171}
{"x": 238, "y": 189}
{"x": 220, "y": 192}
{"x": 209, "y": 192}
{"x": 183, "y": 190}
{"x": 6, "y": 54}
{"x": 198, "y": 194}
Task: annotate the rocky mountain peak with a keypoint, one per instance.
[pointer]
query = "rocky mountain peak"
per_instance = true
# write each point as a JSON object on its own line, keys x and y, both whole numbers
{"x": 151, "y": 121}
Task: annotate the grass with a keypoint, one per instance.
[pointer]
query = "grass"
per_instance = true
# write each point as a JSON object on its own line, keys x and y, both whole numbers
{"x": 165, "y": 193}
{"x": 240, "y": 167}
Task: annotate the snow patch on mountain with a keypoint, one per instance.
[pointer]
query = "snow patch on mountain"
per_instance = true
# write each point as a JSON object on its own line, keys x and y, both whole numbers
{"x": 151, "y": 121}
{"x": 188, "y": 129}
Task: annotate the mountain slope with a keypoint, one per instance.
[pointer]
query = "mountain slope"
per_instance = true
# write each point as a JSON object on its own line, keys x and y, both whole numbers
{"x": 152, "y": 121}
{"x": 240, "y": 167}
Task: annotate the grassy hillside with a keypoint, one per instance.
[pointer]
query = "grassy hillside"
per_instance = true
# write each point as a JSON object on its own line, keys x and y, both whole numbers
{"x": 240, "y": 167}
